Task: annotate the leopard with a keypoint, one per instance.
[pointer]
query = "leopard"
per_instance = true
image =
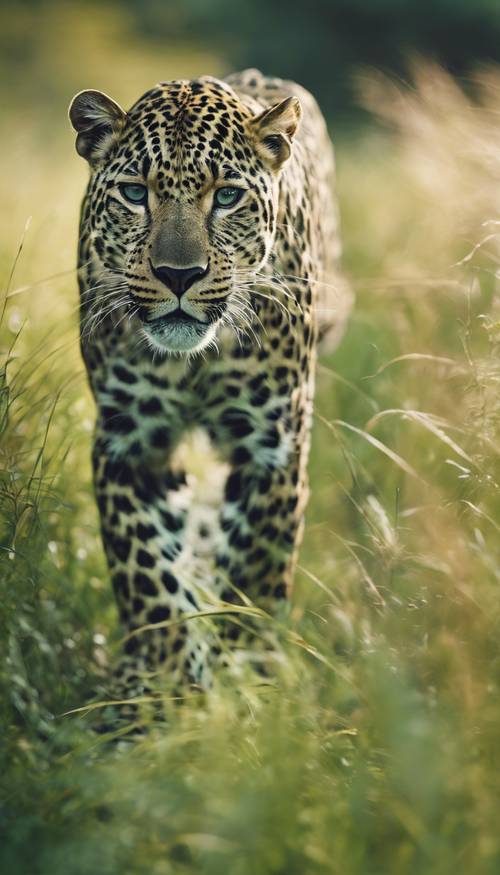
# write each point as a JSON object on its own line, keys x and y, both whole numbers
{"x": 208, "y": 235}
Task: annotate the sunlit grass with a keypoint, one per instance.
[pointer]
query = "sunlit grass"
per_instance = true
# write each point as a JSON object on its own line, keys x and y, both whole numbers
{"x": 374, "y": 751}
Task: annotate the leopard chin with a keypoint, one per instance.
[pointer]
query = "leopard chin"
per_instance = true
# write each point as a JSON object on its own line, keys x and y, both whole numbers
{"x": 178, "y": 335}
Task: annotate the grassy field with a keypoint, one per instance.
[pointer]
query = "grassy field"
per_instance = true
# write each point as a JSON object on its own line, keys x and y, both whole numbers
{"x": 376, "y": 750}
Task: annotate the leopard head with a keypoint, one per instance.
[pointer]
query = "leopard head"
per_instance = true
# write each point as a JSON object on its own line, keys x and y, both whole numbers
{"x": 182, "y": 203}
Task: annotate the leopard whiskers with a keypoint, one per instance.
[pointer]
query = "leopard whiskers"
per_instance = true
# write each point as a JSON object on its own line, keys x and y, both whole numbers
{"x": 272, "y": 283}
{"x": 246, "y": 311}
{"x": 240, "y": 331}
{"x": 249, "y": 288}
{"x": 310, "y": 281}
{"x": 103, "y": 307}
{"x": 239, "y": 308}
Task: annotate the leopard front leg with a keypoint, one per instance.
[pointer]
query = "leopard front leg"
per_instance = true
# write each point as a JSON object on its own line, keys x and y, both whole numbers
{"x": 265, "y": 498}
{"x": 143, "y": 515}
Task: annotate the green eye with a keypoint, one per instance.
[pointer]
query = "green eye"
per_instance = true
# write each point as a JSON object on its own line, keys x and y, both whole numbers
{"x": 136, "y": 194}
{"x": 227, "y": 197}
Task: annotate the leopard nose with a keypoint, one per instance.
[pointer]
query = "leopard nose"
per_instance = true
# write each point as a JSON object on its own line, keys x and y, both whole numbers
{"x": 178, "y": 280}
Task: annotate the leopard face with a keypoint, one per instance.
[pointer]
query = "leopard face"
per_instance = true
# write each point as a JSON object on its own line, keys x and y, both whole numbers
{"x": 181, "y": 209}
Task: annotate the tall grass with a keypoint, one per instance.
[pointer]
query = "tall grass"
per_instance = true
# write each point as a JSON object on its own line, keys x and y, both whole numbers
{"x": 375, "y": 750}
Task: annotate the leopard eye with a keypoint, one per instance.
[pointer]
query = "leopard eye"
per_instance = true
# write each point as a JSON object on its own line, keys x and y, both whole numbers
{"x": 227, "y": 197}
{"x": 136, "y": 194}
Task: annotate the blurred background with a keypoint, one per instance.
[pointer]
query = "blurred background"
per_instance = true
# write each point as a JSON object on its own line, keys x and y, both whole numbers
{"x": 47, "y": 47}
{"x": 376, "y": 749}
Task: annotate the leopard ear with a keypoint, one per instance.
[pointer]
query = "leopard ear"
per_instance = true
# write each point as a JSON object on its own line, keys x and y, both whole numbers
{"x": 274, "y": 130}
{"x": 98, "y": 121}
